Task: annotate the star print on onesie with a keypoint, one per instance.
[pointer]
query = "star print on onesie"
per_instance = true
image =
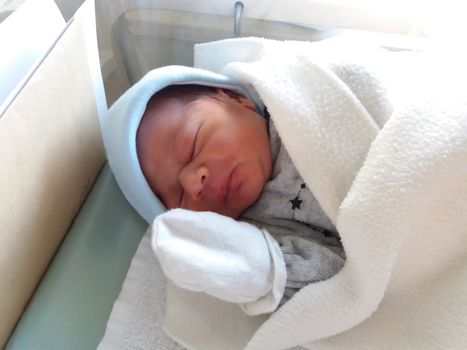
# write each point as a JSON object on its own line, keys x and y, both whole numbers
{"x": 297, "y": 202}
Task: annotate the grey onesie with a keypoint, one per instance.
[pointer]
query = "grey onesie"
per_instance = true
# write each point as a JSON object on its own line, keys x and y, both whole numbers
{"x": 291, "y": 214}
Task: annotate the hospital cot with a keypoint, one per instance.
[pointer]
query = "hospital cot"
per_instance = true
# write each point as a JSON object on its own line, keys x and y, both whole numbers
{"x": 61, "y": 295}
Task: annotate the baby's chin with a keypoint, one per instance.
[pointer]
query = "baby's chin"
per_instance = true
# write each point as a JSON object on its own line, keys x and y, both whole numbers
{"x": 239, "y": 206}
{"x": 234, "y": 214}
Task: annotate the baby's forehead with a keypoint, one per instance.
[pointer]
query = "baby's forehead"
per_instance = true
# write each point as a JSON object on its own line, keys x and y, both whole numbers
{"x": 164, "y": 114}
{"x": 173, "y": 101}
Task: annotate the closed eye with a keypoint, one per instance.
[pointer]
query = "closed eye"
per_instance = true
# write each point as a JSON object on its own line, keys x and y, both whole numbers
{"x": 192, "y": 154}
{"x": 194, "y": 148}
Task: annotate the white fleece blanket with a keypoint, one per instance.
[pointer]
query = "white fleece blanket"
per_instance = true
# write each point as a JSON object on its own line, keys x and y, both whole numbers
{"x": 381, "y": 139}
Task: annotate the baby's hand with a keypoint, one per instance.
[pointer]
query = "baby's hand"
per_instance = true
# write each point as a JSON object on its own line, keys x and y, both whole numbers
{"x": 231, "y": 260}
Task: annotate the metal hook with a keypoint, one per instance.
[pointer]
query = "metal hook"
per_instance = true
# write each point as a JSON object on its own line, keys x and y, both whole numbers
{"x": 237, "y": 17}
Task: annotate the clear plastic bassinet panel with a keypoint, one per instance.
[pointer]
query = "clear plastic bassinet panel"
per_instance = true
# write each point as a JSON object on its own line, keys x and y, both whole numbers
{"x": 142, "y": 39}
{"x": 147, "y": 38}
{"x": 136, "y": 36}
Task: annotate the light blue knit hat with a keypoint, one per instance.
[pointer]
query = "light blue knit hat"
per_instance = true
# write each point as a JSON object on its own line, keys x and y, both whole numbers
{"x": 120, "y": 124}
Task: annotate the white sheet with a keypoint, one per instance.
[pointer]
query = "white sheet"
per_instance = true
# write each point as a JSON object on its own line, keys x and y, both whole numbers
{"x": 137, "y": 316}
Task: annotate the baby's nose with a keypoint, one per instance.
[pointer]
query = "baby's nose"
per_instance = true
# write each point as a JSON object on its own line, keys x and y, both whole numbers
{"x": 194, "y": 182}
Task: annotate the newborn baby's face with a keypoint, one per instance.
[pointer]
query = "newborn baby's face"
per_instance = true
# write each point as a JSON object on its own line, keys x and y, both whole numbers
{"x": 212, "y": 155}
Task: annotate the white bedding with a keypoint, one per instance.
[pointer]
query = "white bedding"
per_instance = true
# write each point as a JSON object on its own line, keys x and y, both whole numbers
{"x": 137, "y": 316}
{"x": 395, "y": 184}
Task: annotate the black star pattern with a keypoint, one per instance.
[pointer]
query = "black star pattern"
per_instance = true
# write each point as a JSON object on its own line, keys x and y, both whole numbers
{"x": 296, "y": 203}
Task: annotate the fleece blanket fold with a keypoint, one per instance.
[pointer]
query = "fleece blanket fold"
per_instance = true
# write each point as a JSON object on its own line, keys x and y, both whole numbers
{"x": 381, "y": 140}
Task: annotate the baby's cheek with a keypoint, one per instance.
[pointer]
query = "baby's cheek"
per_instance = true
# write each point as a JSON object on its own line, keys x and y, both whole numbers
{"x": 252, "y": 189}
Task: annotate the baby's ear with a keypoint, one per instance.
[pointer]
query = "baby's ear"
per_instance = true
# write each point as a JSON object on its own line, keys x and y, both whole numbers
{"x": 232, "y": 95}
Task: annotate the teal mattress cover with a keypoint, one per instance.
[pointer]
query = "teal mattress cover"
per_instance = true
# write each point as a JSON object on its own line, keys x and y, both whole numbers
{"x": 71, "y": 305}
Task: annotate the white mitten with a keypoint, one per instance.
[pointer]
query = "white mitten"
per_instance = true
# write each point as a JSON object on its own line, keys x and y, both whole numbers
{"x": 231, "y": 260}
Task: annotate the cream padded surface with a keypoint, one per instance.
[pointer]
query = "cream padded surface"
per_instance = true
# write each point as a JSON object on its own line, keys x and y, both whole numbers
{"x": 50, "y": 154}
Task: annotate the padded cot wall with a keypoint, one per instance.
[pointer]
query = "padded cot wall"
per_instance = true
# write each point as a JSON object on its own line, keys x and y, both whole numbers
{"x": 50, "y": 154}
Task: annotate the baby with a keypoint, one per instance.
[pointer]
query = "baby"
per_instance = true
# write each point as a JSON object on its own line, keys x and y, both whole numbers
{"x": 242, "y": 226}
{"x": 204, "y": 149}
